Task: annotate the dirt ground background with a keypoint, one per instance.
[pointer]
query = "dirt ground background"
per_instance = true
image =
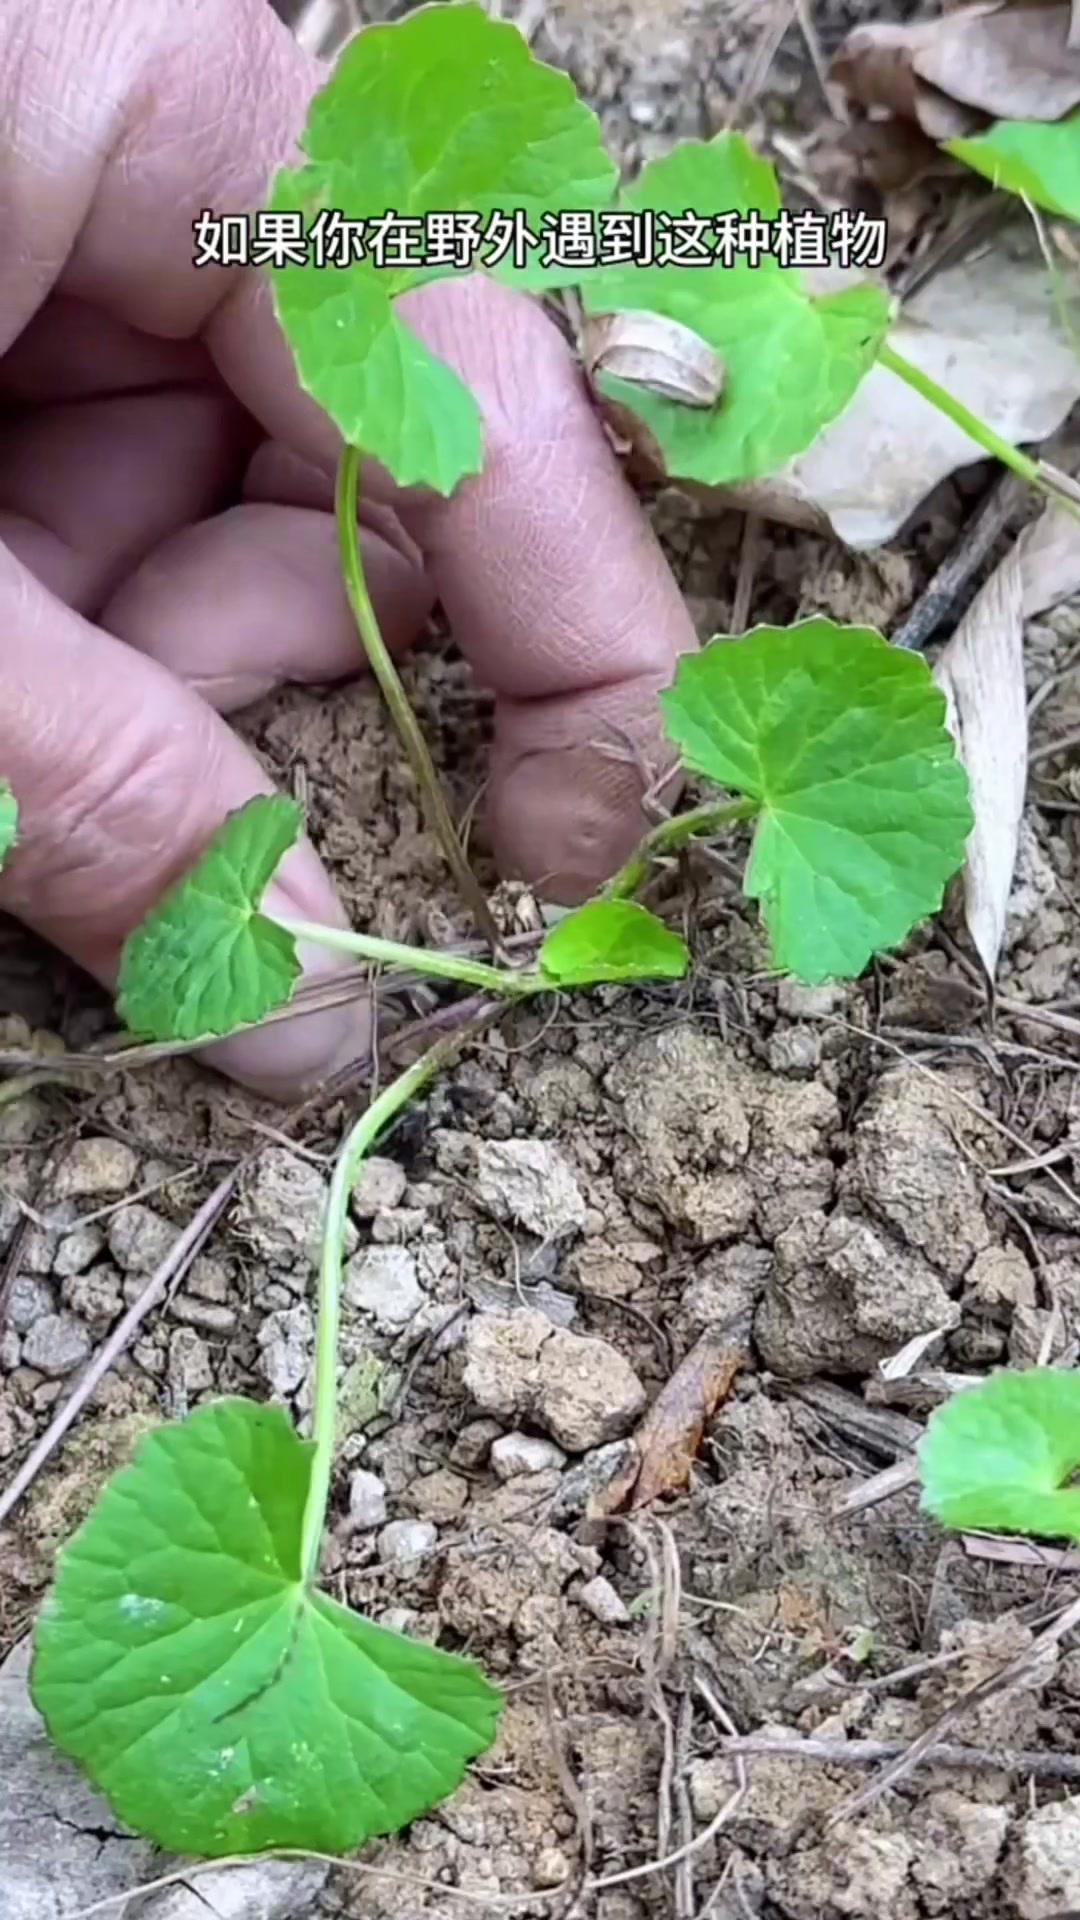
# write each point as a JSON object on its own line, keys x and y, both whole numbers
{"x": 842, "y": 1169}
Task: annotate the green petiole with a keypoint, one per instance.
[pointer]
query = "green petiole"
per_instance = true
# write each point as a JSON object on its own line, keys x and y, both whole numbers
{"x": 441, "y": 966}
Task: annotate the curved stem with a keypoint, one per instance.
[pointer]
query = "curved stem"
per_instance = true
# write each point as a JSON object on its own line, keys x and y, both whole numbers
{"x": 391, "y": 953}
{"x": 672, "y": 834}
{"x": 397, "y": 700}
{"x": 358, "y": 1141}
{"x": 1030, "y": 470}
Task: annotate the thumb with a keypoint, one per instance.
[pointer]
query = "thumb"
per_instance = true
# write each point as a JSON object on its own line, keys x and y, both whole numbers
{"x": 122, "y": 774}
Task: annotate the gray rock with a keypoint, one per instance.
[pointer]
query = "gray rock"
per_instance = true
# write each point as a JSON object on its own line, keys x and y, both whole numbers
{"x": 579, "y": 1389}
{"x": 367, "y": 1501}
{"x": 589, "y": 1477}
{"x": 189, "y": 1369}
{"x": 281, "y": 1208}
{"x": 518, "y": 1453}
{"x": 599, "y": 1598}
{"x": 96, "y": 1165}
{"x": 78, "y": 1250}
{"x": 380, "y": 1185}
{"x": 1046, "y": 1862}
{"x": 139, "y": 1239}
{"x": 382, "y": 1282}
{"x": 30, "y": 1300}
{"x": 405, "y": 1540}
{"x": 62, "y": 1850}
{"x": 96, "y": 1297}
{"x": 57, "y": 1345}
{"x": 286, "y": 1340}
{"x": 532, "y": 1183}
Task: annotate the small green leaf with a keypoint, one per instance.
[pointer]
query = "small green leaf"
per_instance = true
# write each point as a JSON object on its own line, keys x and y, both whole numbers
{"x": 792, "y": 361}
{"x": 219, "y": 1703}
{"x": 205, "y": 960}
{"x": 9, "y": 820}
{"x": 446, "y": 111}
{"x": 864, "y": 804}
{"x": 612, "y": 940}
{"x": 996, "y": 1456}
{"x": 1039, "y": 160}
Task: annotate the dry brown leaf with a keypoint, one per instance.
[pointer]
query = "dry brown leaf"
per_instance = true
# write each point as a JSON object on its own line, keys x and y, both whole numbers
{"x": 986, "y": 330}
{"x": 981, "y": 673}
{"x": 1008, "y": 62}
{"x": 670, "y": 1434}
{"x": 651, "y": 351}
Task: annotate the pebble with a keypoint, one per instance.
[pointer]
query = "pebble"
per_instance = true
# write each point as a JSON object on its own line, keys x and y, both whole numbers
{"x": 282, "y": 1206}
{"x": 56, "y": 1345}
{"x": 407, "y": 1540}
{"x": 439, "y": 1496}
{"x": 139, "y": 1239}
{"x": 367, "y": 1501}
{"x": 78, "y": 1249}
{"x": 532, "y": 1183}
{"x": 286, "y": 1340}
{"x": 95, "y": 1296}
{"x": 189, "y": 1362}
{"x": 578, "y": 1388}
{"x": 30, "y": 1300}
{"x": 96, "y": 1165}
{"x": 382, "y": 1282}
{"x": 518, "y": 1453}
{"x": 380, "y": 1185}
{"x": 599, "y": 1598}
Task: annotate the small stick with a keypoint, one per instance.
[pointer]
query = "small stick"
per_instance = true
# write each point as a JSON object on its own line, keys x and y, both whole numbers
{"x": 999, "y": 507}
{"x": 867, "y": 1753}
{"x": 880, "y": 1486}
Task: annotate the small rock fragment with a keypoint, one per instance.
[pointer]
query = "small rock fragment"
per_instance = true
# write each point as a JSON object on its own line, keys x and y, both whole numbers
{"x": 56, "y": 1345}
{"x": 96, "y": 1165}
{"x": 382, "y": 1282}
{"x": 380, "y": 1185}
{"x": 599, "y": 1598}
{"x": 281, "y": 1209}
{"x": 795, "y": 1050}
{"x": 801, "y": 1002}
{"x": 530, "y": 1182}
{"x": 474, "y": 1443}
{"x": 189, "y": 1368}
{"x": 78, "y": 1249}
{"x": 95, "y": 1297}
{"x": 29, "y": 1300}
{"x": 286, "y": 1339}
{"x": 518, "y": 1453}
{"x": 439, "y": 1496}
{"x": 909, "y": 1170}
{"x": 578, "y": 1388}
{"x": 404, "y": 1540}
{"x": 1045, "y": 1870}
{"x": 588, "y": 1479}
{"x": 1000, "y": 1279}
{"x": 139, "y": 1239}
{"x": 367, "y": 1501}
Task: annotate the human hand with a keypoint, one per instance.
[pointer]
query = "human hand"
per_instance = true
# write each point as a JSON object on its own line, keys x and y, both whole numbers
{"x": 167, "y": 549}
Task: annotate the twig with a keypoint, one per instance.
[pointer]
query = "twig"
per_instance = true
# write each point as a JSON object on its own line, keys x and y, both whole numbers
{"x": 867, "y": 1753}
{"x": 1000, "y": 506}
{"x": 173, "y": 1267}
{"x": 880, "y": 1486}
{"x": 749, "y": 554}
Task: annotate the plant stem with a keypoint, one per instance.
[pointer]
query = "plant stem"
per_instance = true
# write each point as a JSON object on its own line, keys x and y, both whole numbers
{"x": 392, "y": 953}
{"x": 397, "y": 700}
{"x": 358, "y": 1141}
{"x": 672, "y": 834}
{"x": 1030, "y": 470}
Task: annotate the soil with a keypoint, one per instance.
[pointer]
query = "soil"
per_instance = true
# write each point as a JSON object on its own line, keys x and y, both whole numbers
{"x": 645, "y": 1169}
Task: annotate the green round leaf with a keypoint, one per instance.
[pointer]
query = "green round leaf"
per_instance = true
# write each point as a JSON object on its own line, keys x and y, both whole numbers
{"x": 205, "y": 960}
{"x": 864, "y": 804}
{"x": 996, "y": 1456}
{"x": 446, "y": 111}
{"x": 9, "y": 820}
{"x": 612, "y": 940}
{"x": 220, "y": 1704}
{"x": 792, "y": 361}
{"x": 1039, "y": 160}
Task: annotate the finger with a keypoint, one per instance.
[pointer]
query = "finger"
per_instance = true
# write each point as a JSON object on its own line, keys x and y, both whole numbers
{"x": 88, "y": 488}
{"x": 252, "y": 599}
{"x": 122, "y": 775}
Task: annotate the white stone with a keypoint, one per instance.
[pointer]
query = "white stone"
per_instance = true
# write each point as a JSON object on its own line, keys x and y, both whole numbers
{"x": 367, "y": 1501}
{"x": 517, "y": 1453}
{"x": 382, "y": 1282}
{"x": 407, "y": 1540}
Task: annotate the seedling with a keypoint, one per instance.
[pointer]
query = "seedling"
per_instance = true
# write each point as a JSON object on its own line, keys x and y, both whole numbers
{"x": 186, "y": 1657}
{"x": 1000, "y": 1457}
